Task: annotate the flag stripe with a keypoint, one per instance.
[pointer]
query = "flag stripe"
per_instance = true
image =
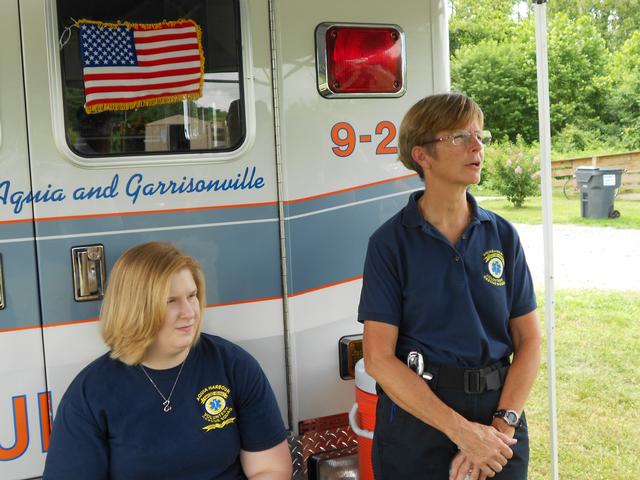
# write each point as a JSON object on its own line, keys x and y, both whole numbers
{"x": 181, "y": 28}
{"x": 162, "y": 37}
{"x": 173, "y": 55}
{"x": 150, "y": 82}
{"x": 143, "y": 47}
{"x": 134, "y": 96}
{"x": 193, "y": 46}
{"x": 135, "y": 88}
{"x": 179, "y": 72}
{"x": 133, "y": 70}
{"x": 167, "y": 61}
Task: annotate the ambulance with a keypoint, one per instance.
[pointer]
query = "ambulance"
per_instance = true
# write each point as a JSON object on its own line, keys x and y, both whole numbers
{"x": 271, "y": 159}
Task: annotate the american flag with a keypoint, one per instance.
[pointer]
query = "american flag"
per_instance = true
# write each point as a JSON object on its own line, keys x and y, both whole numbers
{"x": 127, "y": 65}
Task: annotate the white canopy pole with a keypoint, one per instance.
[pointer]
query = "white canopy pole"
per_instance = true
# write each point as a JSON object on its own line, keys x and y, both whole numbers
{"x": 547, "y": 219}
{"x": 440, "y": 46}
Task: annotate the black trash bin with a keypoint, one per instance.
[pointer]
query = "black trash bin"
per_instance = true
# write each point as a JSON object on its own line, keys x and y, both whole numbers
{"x": 597, "y": 191}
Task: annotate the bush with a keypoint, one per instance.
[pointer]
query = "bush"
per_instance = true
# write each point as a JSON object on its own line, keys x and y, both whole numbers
{"x": 514, "y": 171}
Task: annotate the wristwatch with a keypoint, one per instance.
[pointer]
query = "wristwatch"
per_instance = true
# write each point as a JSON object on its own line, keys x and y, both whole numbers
{"x": 510, "y": 417}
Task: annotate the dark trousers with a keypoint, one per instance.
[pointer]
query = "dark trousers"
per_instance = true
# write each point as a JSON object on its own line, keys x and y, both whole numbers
{"x": 405, "y": 448}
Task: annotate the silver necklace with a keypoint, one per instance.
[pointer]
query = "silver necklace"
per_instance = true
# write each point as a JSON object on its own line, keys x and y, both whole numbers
{"x": 167, "y": 400}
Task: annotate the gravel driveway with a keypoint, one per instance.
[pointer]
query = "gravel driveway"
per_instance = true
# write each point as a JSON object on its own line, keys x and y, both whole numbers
{"x": 585, "y": 257}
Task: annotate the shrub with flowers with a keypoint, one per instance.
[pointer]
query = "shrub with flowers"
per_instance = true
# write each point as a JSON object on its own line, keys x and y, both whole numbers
{"x": 514, "y": 171}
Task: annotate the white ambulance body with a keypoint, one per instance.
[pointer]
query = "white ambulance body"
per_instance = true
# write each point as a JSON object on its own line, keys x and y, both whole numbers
{"x": 273, "y": 179}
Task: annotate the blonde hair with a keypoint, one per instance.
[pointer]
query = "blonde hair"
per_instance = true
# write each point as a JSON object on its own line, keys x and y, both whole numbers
{"x": 431, "y": 115}
{"x": 134, "y": 306}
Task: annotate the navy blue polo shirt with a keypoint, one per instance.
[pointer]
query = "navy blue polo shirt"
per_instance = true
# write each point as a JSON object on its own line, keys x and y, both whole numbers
{"x": 451, "y": 302}
{"x": 111, "y": 424}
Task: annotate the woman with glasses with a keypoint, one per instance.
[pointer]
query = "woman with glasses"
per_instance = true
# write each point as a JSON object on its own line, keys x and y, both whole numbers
{"x": 451, "y": 333}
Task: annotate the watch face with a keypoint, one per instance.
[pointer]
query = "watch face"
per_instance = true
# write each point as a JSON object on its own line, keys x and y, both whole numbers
{"x": 511, "y": 417}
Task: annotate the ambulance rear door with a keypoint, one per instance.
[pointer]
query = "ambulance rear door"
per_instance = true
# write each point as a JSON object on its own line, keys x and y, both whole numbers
{"x": 23, "y": 400}
{"x": 199, "y": 173}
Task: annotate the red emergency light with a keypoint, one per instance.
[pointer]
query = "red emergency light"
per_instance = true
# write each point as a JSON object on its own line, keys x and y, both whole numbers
{"x": 360, "y": 60}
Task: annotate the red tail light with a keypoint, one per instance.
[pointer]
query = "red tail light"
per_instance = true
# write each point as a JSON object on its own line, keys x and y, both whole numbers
{"x": 360, "y": 60}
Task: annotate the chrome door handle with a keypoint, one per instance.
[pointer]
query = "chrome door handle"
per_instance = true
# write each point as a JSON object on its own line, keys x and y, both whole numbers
{"x": 88, "y": 272}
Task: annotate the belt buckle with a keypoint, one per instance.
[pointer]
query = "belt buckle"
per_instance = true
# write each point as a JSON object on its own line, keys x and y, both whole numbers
{"x": 473, "y": 382}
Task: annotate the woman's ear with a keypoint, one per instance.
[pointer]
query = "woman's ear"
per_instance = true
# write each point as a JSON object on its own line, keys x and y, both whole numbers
{"x": 422, "y": 157}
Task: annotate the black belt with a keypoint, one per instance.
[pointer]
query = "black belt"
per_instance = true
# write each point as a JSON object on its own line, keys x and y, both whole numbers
{"x": 470, "y": 380}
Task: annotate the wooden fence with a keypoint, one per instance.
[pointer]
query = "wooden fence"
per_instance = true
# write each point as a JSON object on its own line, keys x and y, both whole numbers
{"x": 628, "y": 161}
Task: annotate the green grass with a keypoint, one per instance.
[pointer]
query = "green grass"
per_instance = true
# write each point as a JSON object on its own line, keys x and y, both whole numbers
{"x": 598, "y": 390}
{"x": 564, "y": 211}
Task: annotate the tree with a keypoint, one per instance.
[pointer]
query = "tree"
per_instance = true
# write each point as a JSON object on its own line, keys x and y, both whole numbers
{"x": 623, "y": 82}
{"x": 615, "y": 20}
{"x": 501, "y": 77}
{"x": 577, "y": 59}
{"x": 473, "y": 21}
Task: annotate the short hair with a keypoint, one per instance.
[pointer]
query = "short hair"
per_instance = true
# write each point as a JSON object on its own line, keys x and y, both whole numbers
{"x": 432, "y": 114}
{"x": 135, "y": 303}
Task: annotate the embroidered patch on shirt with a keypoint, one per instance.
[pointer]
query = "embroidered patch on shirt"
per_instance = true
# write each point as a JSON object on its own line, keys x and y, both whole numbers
{"x": 216, "y": 411}
{"x": 494, "y": 260}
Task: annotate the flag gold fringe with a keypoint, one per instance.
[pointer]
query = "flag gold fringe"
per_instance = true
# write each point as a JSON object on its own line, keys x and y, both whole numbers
{"x": 106, "y": 106}
{"x": 103, "y": 107}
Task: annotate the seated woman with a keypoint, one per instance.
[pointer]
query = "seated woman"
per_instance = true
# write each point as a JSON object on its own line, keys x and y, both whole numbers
{"x": 166, "y": 402}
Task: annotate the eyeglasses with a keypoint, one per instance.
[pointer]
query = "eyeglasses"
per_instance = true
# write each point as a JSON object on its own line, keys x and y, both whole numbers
{"x": 463, "y": 137}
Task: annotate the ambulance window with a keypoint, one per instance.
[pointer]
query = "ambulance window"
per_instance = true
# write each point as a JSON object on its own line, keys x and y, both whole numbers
{"x": 212, "y": 122}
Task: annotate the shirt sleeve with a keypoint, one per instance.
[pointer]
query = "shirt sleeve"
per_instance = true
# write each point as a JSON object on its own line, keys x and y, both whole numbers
{"x": 259, "y": 420}
{"x": 381, "y": 295}
{"x": 79, "y": 447}
{"x": 523, "y": 299}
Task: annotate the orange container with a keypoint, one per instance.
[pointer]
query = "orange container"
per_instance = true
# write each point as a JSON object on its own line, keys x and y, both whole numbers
{"x": 364, "y": 421}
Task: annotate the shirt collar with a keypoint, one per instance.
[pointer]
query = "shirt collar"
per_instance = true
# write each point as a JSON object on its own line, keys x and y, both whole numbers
{"x": 478, "y": 212}
{"x": 412, "y": 217}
